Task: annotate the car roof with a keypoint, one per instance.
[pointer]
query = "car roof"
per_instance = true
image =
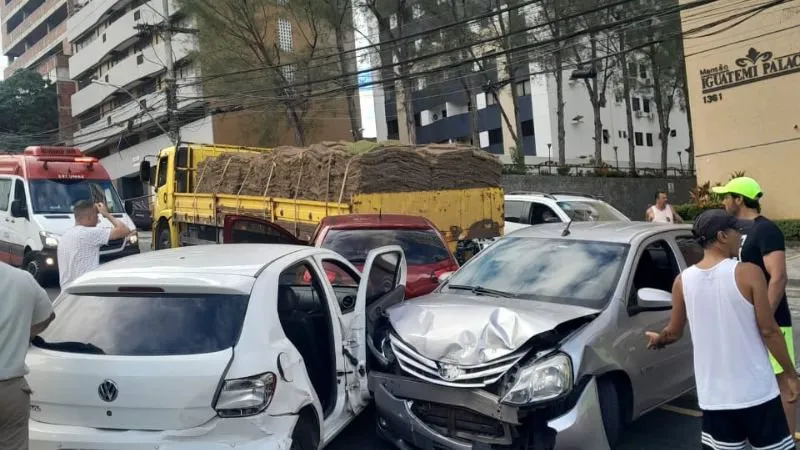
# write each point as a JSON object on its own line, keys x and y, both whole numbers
{"x": 223, "y": 259}
{"x": 533, "y": 196}
{"x": 616, "y": 232}
{"x": 355, "y": 221}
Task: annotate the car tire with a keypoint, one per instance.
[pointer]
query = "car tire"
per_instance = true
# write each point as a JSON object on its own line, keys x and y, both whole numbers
{"x": 163, "y": 240}
{"x": 611, "y": 410}
{"x": 305, "y": 435}
{"x": 31, "y": 265}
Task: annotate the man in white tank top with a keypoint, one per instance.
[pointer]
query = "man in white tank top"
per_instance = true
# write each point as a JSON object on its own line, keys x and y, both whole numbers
{"x": 732, "y": 325}
{"x": 662, "y": 211}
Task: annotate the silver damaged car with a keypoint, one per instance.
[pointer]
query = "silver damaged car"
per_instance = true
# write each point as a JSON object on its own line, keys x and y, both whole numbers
{"x": 536, "y": 343}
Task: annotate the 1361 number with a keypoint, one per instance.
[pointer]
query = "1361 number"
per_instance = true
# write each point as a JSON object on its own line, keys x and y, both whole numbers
{"x": 712, "y": 98}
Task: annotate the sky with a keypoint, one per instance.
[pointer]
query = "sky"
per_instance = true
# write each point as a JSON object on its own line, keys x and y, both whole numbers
{"x": 365, "y": 94}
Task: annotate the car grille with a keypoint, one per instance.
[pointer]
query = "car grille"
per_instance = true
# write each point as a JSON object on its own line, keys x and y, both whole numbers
{"x": 114, "y": 245}
{"x": 477, "y": 376}
{"x": 460, "y": 422}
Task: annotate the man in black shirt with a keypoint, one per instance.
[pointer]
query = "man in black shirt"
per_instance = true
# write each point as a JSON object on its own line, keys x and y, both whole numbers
{"x": 763, "y": 245}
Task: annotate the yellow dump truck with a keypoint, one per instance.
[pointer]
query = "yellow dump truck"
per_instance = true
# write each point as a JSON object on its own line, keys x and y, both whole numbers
{"x": 183, "y": 214}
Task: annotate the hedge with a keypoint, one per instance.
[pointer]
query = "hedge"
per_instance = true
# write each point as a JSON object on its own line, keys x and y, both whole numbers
{"x": 790, "y": 227}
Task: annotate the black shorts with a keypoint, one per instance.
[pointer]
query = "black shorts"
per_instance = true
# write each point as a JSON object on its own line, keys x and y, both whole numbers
{"x": 762, "y": 426}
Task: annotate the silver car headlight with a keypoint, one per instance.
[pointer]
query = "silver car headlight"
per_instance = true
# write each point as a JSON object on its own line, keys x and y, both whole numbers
{"x": 133, "y": 239}
{"x": 49, "y": 240}
{"x": 543, "y": 380}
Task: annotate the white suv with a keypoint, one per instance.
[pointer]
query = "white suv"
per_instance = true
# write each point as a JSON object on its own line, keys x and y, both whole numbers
{"x": 523, "y": 209}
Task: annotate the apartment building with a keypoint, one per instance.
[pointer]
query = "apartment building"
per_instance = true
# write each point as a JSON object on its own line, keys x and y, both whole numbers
{"x": 743, "y": 94}
{"x": 34, "y": 37}
{"x": 442, "y": 107}
{"x": 121, "y": 102}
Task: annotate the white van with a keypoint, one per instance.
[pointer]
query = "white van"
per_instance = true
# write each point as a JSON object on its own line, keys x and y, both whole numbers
{"x": 37, "y": 190}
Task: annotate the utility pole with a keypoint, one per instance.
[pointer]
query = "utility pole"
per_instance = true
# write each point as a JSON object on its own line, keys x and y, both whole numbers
{"x": 167, "y": 31}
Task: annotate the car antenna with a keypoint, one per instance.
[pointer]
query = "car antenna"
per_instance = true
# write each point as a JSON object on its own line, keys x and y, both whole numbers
{"x": 566, "y": 229}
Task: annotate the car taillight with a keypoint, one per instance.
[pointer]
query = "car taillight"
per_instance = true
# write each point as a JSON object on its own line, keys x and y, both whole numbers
{"x": 328, "y": 274}
{"x": 244, "y": 397}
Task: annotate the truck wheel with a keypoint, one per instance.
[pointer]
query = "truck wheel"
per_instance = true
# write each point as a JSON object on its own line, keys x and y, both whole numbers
{"x": 305, "y": 436}
{"x": 611, "y": 410}
{"x": 163, "y": 240}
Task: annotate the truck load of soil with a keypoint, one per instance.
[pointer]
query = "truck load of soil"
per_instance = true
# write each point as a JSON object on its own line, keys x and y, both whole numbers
{"x": 335, "y": 171}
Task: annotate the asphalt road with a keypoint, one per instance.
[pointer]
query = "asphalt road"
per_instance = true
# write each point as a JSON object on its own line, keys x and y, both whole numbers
{"x": 673, "y": 427}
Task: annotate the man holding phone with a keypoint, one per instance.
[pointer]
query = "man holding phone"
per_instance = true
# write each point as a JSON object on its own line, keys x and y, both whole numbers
{"x": 79, "y": 247}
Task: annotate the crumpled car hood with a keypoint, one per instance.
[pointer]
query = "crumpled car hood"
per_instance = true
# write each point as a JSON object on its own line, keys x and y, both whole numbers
{"x": 470, "y": 330}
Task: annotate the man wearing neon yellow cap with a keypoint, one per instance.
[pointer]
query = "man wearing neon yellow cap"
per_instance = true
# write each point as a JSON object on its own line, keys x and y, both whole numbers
{"x": 763, "y": 245}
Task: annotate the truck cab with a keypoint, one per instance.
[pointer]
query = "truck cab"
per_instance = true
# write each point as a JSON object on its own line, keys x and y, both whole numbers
{"x": 37, "y": 191}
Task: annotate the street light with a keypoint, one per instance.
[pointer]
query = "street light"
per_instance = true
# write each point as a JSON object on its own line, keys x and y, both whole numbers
{"x": 130, "y": 94}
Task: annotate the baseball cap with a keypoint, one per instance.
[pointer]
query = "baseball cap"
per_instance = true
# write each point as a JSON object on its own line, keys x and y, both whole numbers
{"x": 709, "y": 223}
{"x": 744, "y": 186}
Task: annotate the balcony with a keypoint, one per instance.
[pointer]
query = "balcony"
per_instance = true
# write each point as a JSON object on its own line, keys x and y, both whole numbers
{"x": 30, "y": 24}
{"x": 121, "y": 32}
{"x": 135, "y": 67}
{"x": 113, "y": 123}
{"x": 39, "y": 50}
{"x": 95, "y": 11}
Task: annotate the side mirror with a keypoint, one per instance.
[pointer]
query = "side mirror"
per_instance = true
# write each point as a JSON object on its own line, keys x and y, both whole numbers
{"x": 444, "y": 277}
{"x": 650, "y": 299}
{"x": 144, "y": 171}
{"x": 19, "y": 209}
{"x": 552, "y": 220}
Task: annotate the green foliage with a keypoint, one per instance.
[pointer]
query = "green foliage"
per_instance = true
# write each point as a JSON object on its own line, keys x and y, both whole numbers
{"x": 689, "y": 211}
{"x": 28, "y": 108}
{"x": 790, "y": 229}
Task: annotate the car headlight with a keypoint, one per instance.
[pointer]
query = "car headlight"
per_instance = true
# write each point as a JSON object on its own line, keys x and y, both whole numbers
{"x": 133, "y": 239}
{"x": 543, "y": 380}
{"x": 49, "y": 240}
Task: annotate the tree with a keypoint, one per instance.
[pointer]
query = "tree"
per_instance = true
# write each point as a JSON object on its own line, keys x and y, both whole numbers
{"x": 28, "y": 108}
{"x": 246, "y": 64}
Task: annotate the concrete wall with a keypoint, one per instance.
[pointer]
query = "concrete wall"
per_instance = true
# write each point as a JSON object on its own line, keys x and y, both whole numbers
{"x": 632, "y": 196}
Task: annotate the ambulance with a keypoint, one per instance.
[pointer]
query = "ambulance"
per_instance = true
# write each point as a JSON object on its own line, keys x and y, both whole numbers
{"x": 37, "y": 191}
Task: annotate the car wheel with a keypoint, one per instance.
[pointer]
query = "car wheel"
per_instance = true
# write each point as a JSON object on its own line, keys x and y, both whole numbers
{"x": 30, "y": 264}
{"x": 611, "y": 410}
{"x": 163, "y": 240}
{"x": 305, "y": 436}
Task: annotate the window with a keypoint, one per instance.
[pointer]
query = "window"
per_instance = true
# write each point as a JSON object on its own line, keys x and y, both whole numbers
{"x": 691, "y": 251}
{"x": 635, "y": 105}
{"x": 638, "y": 138}
{"x": 543, "y": 214}
{"x": 606, "y": 137}
{"x": 559, "y": 271}
{"x": 416, "y": 11}
{"x": 649, "y": 138}
{"x": 527, "y": 128}
{"x": 285, "y": 35}
{"x": 146, "y": 325}
{"x": 421, "y": 246}
{"x": 344, "y": 283}
{"x": 392, "y": 129}
{"x": 5, "y": 193}
{"x": 137, "y": 15}
{"x": 642, "y": 71}
{"x": 655, "y": 269}
{"x": 393, "y": 21}
{"x": 417, "y": 119}
{"x": 523, "y": 88}
{"x": 633, "y": 68}
{"x": 673, "y": 133}
{"x": 646, "y": 105}
{"x": 139, "y": 59}
{"x": 256, "y": 232}
{"x": 591, "y": 211}
{"x": 490, "y": 100}
{"x": 162, "y": 172}
{"x": 19, "y": 194}
{"x": 518, "y": 212}
{"x": 496, "y": 137}
{"x": 288, "y": 72}
{"x": 421, "y": 83}
{"x": 58, "y": 196}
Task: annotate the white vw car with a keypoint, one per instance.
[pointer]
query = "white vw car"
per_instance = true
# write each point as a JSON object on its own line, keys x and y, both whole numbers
{"x": 240, "y": 346}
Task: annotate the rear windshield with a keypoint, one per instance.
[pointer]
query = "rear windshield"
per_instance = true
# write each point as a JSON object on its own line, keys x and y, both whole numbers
{"x": 420, "y": 246}
{"x": 591, "y": 212}
{"x": 135, "y": 325}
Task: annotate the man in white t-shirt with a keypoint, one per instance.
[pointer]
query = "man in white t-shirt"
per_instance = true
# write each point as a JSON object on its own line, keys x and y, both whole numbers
{"x": 662, "y": 212}
{"x": 79, "y": 247}
{"x": 25, "y": 311}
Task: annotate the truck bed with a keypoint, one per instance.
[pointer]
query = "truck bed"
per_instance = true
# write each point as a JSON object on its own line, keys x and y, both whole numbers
{"x": 459, "y": 214}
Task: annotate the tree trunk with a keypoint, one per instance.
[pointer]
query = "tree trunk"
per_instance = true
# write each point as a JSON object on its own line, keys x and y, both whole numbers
{"x": 690, "y": 149}
{"x": 474, "y": 132}
{"x": 350, "y": 92}
{"x": 298, "y": 127}
{"x": 408, "y": 107}
{"x": 661, "y": 110}
{"x": 626, "y": 92}
{"x": 558, "y": 60}
{"x": 596, "y": 99}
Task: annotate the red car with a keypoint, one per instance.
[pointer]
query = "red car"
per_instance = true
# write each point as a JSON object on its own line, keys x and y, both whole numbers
{"x": 354, "y": 235}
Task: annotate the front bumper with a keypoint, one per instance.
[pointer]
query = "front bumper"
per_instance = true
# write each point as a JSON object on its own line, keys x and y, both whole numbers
{"x": 261, "y": 432}
{"x": 479, "y": 421}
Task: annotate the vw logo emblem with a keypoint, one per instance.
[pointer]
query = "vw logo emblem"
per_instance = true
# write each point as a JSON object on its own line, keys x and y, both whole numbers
{"x": 449, "y": 372}
{"x": 108, "y": 391}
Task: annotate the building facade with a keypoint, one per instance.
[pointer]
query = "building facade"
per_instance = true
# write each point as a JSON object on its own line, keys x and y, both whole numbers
{"x": 743, "y": 91}
{"x": 121, "y": 76}
{"x": 34, "y": 37}
{"x": 442, "y": 106}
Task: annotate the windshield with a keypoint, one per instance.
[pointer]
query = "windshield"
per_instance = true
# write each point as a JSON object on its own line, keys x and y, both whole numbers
{"x": 420, "y": 246}
{"x": 591, "y": 211}
{"x": 582, "y": 273}
{"x": 58, "y": 196}
{"x": 152, "y": 325}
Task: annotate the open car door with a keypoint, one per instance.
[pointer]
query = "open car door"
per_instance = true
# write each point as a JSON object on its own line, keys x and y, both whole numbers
{"x": 383, "y": 282}
{"x": 249, "y": 230}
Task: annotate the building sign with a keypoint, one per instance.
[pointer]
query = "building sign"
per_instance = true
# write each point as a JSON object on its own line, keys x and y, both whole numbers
{"x": 753, "y": 67}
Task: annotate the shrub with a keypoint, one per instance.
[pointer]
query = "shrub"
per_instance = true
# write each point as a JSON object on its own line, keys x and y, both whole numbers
{"x": 790, "y": 229}
{"x": 691, "y": 210}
